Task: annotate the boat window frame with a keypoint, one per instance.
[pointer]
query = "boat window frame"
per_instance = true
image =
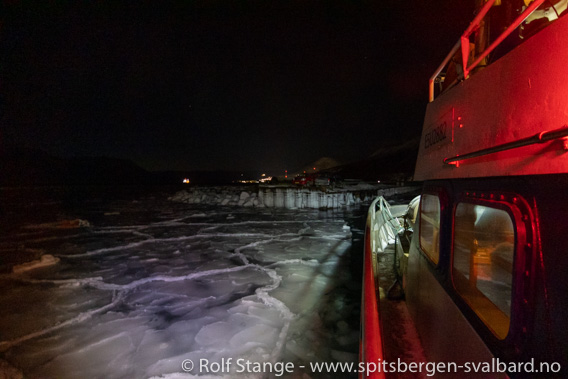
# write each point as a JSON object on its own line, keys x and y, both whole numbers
{"x": 440, "y": 194}
{"x": 518, "y": 210}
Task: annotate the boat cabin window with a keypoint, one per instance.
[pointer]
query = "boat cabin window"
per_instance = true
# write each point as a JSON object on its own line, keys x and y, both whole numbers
{"x": 430, "y": 226}
{"x": 484, "y": 245}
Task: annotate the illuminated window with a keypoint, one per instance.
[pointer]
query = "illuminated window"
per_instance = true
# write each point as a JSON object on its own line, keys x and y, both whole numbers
{"x": 484, "y": 245}
{"x": 430, "y": 226}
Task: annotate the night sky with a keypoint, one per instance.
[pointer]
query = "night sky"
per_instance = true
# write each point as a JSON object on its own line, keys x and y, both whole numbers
{"x": 241, "y": 85}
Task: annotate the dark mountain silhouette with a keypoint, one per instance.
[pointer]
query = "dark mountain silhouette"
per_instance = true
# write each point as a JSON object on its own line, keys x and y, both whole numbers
{"x": 32, "y": 167}
{"x": 24, "y": 166}
{"x": 391, "y": 162}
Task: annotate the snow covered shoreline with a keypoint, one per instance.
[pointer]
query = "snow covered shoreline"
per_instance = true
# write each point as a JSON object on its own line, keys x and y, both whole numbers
{"x": 286, "y": 197}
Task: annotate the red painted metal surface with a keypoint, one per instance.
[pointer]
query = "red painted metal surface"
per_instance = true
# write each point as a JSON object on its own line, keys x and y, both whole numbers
{"x": 541, "y": 137}
{"x": 463, "y": 42}
{"x": 371, "y": 344}
{"x": 518, "y": 96}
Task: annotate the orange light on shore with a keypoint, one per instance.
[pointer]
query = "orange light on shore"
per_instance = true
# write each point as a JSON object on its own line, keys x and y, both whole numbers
{"x": 186, "y": 181}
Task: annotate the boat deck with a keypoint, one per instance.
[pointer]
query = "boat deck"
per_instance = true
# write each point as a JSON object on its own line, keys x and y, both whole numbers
{"x": 400, "y": 338}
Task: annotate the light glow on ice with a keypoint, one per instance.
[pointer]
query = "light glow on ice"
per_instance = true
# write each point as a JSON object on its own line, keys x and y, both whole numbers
{"x": 134, "y": 301}
{"x": 45, "y": 260}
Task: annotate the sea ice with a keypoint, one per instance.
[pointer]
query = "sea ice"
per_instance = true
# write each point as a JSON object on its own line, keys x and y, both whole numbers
{"x": 44, "y": 261}
{"x": 136, "y": 297}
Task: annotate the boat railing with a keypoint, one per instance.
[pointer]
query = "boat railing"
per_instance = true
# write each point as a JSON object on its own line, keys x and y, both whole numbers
{"x": 463, "y": 43}
{"x": 384, "y": 226}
